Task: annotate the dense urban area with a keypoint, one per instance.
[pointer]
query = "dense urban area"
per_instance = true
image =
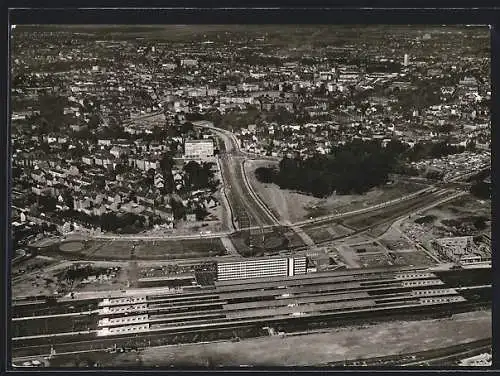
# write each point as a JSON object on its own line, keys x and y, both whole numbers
{"x": 241, "y": 191}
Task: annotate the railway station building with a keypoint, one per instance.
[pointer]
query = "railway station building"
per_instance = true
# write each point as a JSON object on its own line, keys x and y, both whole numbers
{"x": 268, "y": 267}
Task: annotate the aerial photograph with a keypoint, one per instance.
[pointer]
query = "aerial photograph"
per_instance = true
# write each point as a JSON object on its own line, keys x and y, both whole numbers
{"x": 250, "y": 196}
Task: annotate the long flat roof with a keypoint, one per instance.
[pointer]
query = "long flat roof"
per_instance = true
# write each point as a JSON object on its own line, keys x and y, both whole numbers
{"x": 314, "y": 275}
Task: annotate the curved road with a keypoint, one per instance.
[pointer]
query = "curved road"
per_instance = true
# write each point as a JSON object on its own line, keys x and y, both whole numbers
{"x": 242, "y": 199}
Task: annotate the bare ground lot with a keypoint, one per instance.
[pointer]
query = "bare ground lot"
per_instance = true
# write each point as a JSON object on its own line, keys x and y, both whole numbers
{"x": 28, "y": 278}
{"x": 44, "y": 279}
{"x": 270, "y": 244}
{"x": 412, "y": 258}
{"x": 441, "y": 220}
{"x": 454, "y": 218}
{"x": 393, "y": 240}
{"x": 316, "y": 349}
{"x": 294, "y": 207}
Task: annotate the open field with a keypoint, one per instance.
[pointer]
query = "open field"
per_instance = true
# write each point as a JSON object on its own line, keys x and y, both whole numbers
{"x": 327, "y": 232}
{"x": 315, "y": 349}
{"x": 72, "y": 247}
{"x": 395, "y": 244}
{"x": 454, "y": 218}
{"x": 28, "y": 278}
{"x": 411, "y": 258}
{"x": 179, "y": 249}
{"x": 294, "y": 207}
{"x": 378, "y": 254}
{"x": 45, "y": 278}
{"x": 112, "y": 250}
{"x": 130, "y": 249}
{"x": 31, "y": 265}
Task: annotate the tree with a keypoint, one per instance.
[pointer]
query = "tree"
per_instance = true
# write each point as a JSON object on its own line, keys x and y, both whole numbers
{"x": 198, "y": 176}
{"x": 200, "y": 213}
{"x": 187, "y": 128}
{"x": 470, "y": 146}
{"x": 481, "y": 190}
{"x": 68, "y": 200}
{"x": 120, "y": 168}
{"x": 94, "y": 121}
{"x": 265, "y": 174}
{"x": 447, "y": 128}
{"x": 166, "y": 163}
{"x": 100, "y": 182}
{"x": 178, "y": 209}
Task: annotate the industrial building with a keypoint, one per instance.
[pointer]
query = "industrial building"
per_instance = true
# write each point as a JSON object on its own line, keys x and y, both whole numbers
{"x": 271, "y": 267}
{"x": 198, "y": 149}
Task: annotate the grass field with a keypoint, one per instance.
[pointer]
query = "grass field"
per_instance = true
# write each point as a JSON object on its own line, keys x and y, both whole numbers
{"x": 29, "y": 278}
{"x": 71, "y": 247}
{"x": 416, "y": 258}
{"x": 396, "y": 244}
{"x": 124, "y": 249}
{"x": 119, "y": 250}
{"x": 316, "y": 349}
{"x": 320, "y": 234}
{"x": 181, "y": 249}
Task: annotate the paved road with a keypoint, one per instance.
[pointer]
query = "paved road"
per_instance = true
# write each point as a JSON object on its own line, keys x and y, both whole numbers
{"x": 242, "y": 198}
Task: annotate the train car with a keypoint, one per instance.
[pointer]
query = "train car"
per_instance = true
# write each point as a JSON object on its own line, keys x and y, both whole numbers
{"x": 123, "y": 309}
{"x": 122, "y": 321}
{"x": 110, "y": 302}
{"x": 121, "y": 330}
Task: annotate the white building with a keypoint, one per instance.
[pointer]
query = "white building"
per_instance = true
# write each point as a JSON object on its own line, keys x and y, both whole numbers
{"x": 189, "y": 62}
{"x": 198, "y": 149}
{"x": 270, "y": 267}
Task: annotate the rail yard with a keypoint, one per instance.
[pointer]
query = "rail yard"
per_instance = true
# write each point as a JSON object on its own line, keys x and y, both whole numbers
{"x": 244, "y": 308}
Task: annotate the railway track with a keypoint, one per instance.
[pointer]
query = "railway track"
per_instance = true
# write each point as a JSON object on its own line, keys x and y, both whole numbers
{"x": 223, "y": 331}
{"x": 418, "y": 204}
{"x": 465, "y": 351}
{"x": 426, "y": 357}
{"x": 329, "y": 299}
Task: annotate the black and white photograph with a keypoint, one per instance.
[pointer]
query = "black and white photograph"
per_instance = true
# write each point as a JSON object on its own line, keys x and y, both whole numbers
{"x": 250, "y": 196}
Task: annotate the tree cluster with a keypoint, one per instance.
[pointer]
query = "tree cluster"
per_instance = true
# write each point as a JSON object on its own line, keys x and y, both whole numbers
{"x": 355, "y": 167}
{"x": 426, "y": 150}
{"x": 126, "y": 223}
{"x": 481, "y": 190}
{"x": 178, "y": 209}
{"x": 199, "y": 176}
{"x": 79, "y": 273}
